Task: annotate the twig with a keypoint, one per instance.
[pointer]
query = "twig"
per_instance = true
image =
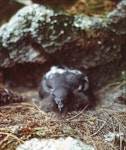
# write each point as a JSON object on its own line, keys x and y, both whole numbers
{"x": 98, "y": 130}
{"x": 120, "y": 138}
{"x": 1, "y": 114}
{"x": 110, "y": 118}
{"x": 77, "y": 114}
{"x": 5, "y": 139}
{"x": 39, "y": 109}
{"x": 119, "y": 86}
{"x": 13, "y": 136}
{"x": 24, "y": 2}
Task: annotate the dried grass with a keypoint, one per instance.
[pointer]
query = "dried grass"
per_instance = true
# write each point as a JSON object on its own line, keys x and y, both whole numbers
{"x": 23, "y": 121}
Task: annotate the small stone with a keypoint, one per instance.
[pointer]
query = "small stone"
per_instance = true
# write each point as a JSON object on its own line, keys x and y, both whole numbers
{"x": 54, "y": 144}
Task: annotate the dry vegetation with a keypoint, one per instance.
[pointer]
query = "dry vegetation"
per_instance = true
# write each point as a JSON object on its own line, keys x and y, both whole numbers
{"x": 23, "y": 121}
{"x": 91, "y": 7}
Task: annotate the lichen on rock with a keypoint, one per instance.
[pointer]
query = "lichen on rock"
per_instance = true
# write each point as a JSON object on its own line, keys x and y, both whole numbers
{"x": 117, "y": 18}
{"x": 36, "y": 32}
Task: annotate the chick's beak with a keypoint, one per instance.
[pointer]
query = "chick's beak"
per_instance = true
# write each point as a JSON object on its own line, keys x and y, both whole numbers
{"x": 60, "y": 106}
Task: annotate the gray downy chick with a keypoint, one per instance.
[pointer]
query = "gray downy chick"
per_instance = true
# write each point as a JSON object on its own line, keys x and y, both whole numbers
{"x": 61, "y": 82}
{"x": 61, "y": 96}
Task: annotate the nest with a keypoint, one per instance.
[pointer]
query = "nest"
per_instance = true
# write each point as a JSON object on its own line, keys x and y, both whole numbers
{"x": 23, "y": 121}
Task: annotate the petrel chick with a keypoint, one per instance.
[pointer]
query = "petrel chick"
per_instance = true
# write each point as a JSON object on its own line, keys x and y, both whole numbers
{"x": 61, "y": 83}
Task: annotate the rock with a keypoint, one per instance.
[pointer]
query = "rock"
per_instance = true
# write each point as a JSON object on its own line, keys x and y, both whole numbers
{"x": 55, "y": 144}
{"x": 117, "y": 18}
{"x": 35, "y": 33}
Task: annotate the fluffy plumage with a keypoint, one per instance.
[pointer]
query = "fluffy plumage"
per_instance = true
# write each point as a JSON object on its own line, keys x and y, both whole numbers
{"x": 62, "y": 84}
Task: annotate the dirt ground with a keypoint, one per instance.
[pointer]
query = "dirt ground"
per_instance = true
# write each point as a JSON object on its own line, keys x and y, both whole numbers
{"x": 104, "y": 127}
